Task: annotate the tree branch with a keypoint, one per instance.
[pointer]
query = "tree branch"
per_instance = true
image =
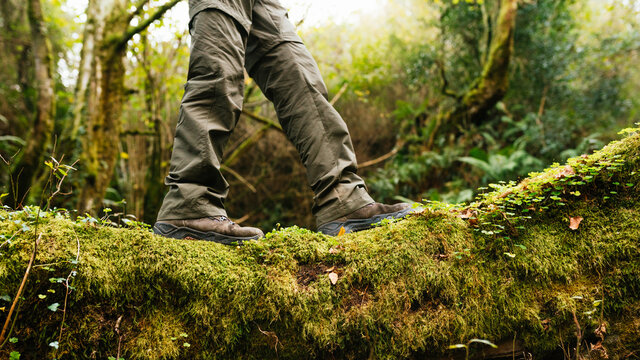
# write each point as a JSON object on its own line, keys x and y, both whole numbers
{"x": 382, "y": 158}
{"x": 148, "y": 21}
{"x": 139, "y": 6}
{"x": 245, "y": 145}
{"x": 261, "y": 119}
{"x": 339, "y": 94}
{"x": 19, "y": 293}
{"x": 239, "y": 177}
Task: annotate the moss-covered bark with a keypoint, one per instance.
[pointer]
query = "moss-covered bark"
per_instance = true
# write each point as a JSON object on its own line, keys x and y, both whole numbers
{"x": 110, "y": 23}
{"x": 490, "y": 86}
{"x": 26, "y": 168}
{"x": 505, "y": 267}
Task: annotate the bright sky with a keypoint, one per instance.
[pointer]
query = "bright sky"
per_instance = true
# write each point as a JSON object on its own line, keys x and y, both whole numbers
{"x": 314, "y": 12}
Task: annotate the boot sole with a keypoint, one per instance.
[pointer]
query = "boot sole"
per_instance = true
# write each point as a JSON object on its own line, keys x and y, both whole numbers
{"x": 332, "y": 228}
{"x": 175, "y": 232}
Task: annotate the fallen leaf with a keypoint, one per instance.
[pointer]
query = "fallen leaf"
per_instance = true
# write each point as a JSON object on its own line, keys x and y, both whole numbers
{"x": 335, "y": 249}
{"x": 466, "y": 213}
{"x": 333, "y": 277}
{"x": 597, "y": 346}
{"x": 574, "y": 222}
{"x": 566, "y": 171}
{"x": 601, "y": 331}
{"x": 342, "y": 231}
{"x": 470, "y": 216}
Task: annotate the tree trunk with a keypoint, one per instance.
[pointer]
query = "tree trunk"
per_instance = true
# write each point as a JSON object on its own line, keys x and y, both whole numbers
{"x": 31, "y": 160}
{"x": 100, "y": 151}
{"x": 85, "y": 68}
{"x": 491, "y": 86}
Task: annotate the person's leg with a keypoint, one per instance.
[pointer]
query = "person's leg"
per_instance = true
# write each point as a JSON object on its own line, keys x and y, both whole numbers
{"x": 211, "y": 106}
{"x": 289, "y": 77}
{"x": 210, "y": 109}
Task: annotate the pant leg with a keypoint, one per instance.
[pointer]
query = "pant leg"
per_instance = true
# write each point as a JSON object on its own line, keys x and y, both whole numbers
{"x": 288, "y": 76}
{"x": 209, "y": 111}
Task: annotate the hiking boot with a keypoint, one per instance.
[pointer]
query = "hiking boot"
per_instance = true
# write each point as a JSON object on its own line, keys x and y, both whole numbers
{"x": 365, "y": 217}
{"x": 217, "y": 229}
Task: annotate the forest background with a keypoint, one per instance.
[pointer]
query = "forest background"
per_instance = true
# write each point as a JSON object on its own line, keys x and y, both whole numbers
{"x": 441, "y": 98}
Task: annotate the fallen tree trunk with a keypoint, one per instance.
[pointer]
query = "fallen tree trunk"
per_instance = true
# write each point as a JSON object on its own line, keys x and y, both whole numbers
{"x": 549, "y": 265}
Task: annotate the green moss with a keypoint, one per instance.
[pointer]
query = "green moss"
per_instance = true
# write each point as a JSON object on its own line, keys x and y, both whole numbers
{"x": 404, "y": 289}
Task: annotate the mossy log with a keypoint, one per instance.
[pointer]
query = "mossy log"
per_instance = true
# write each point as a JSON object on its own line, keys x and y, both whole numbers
{"x": 508, "y": 268}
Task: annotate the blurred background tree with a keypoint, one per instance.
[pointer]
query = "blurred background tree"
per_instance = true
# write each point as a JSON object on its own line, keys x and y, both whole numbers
{"x": 441, "y": 97}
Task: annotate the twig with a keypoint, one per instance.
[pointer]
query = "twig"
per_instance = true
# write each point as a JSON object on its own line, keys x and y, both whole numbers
{"x": 9, "y": 239}
{"x": 243, "y": 219}
{"x": 262, "y": 119}
{"x": 383, "y": 157}
{"x": 271, "y": 335}
{"x": 119, "y": 336}
{"x": 339, "y": 94}
{"x": 578, "y": 334}
{"x": 68, "y": 291}
{"x": 564, "y": 352}
{"x": 239, "y": 177}
{"x": 244, "y": 145}
{"x": 543, "y": 101}
{"x": 59, "y": 184}
{"x": 146, "y": 22}
{"x": 24, "y": 281}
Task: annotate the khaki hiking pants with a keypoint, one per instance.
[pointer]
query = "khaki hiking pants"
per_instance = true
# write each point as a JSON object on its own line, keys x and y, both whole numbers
{"x": 256, "y": 34}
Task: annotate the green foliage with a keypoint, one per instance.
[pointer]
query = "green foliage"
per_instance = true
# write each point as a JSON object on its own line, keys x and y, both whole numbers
{"x": 567, "y": 91}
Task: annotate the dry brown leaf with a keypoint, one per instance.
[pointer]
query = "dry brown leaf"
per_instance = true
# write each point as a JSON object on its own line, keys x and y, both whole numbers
{"x": 574, "y": 222}
{"x": 466, "y": 213}
{"x": 601, "y": 331}
{"x": 566, "y": 171}
{"x": 469, "y": 215}
{"x": 333, "y": 277}
{"x": 335, "y": 249}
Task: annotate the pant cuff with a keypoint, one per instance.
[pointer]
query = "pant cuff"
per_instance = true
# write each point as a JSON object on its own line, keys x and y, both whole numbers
{"x": 186, "y": 213}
